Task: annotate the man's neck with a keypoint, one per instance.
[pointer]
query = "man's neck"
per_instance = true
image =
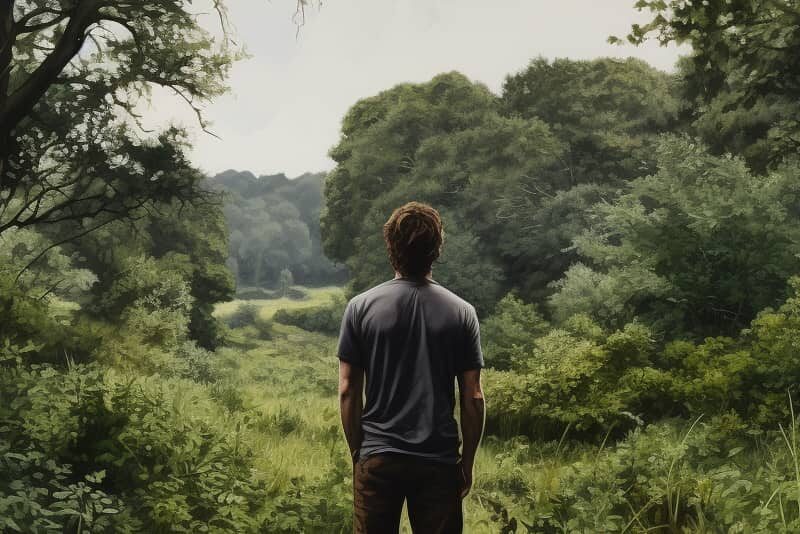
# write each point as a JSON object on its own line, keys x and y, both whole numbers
{"x": 428, "y": 276}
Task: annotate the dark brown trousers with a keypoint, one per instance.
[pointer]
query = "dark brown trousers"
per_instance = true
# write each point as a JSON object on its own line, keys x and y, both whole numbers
{"x": 382, "y": 481}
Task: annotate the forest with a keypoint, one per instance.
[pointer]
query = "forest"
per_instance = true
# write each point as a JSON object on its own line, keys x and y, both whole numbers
{"x": 630, "y": 239}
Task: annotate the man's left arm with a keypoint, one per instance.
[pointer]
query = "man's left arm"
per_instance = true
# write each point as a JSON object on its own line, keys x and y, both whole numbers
{"x": 351, "y": 403}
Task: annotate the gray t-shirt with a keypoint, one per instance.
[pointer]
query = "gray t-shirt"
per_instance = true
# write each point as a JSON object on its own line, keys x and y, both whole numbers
{"x": 411, "y": 336}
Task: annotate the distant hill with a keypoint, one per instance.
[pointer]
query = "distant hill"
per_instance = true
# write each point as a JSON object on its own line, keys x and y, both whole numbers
{"x": 274, "y": 225}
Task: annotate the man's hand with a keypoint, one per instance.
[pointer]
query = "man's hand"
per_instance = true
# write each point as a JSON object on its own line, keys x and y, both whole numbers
{"x": 351, "y": 404}
{"x": 473, "y": 419}
{"x": 465, "y": 484}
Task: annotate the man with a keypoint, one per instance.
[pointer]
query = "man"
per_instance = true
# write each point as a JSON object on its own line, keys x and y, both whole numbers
{"x": 411, "y": 338}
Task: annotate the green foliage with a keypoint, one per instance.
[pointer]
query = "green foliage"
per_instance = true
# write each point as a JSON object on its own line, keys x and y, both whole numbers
{"x": 608, "y": 112}
{"x": 696, "y": 249}
{"x": 256, "y": 293}
{"x": 296, "y": 293}
{"x": 52, "y": 273}
{"x": 152, "y": 301}
{"x": 321, "y": 507}
{"x": 274, "y": 224}
{"x": 37, "y": 495}
{"x": 118, "y": 455}
{"x": 246, "y": 314}
{"x": 611, "y": 298}
{"x": 741, "y": 77}
{"x": 750, "y": 375}
{"x": 326, "y": 318}
{"x": 513, "y": 327}
{"x": 444, "y": 142}
{"x": 28, "y": 320}
{"x": 581, "y": 378}
{"x": 673, "y": 476}
{"x": 197, "y": 363}
{"x": 501, "y": 171}
{"x": 66, "y": 154}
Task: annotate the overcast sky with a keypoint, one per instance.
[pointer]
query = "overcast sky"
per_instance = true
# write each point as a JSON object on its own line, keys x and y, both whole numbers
{"x": 287, "y": 101}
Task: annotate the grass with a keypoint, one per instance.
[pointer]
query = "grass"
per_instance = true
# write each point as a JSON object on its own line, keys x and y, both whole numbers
{"x": 268, "y": 307}
{"x": 290, "y": 381}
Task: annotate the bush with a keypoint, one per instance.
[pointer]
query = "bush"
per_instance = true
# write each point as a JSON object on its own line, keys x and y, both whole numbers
{"x": 322, "y": 506}
{"x": 264, "y": 327}
{"x": 579, "y": 380}
{"x": 256, "y": 293}
{"x": 326, "y": 318}
{"x": 296, "y": 293}
{"x": 198, "y": 364}
{"x": 123, "y": 456}
{"x": 513, "y": 326}
{"x": 25, "y": 320}
{"x": 245, "y": 314}
{"x": 229, "y": 396}
{"x": 283, "y": 421}
{"x": 708, "y": 475}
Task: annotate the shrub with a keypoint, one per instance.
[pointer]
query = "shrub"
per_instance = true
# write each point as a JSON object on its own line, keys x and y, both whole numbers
{"x": 264, "y": 327}
{"x": 514, "y": 325}
{"x": 706, "y": 475}
{"x": 123, "y": 456}
{"x": 322, "y": 506}
{"x": 582, "y": 379}
{"x": 198, "y": 364}
{"x": 244, "y": 315}
{"x": 229, "y": 396}
{"x": 255, "y": 293}
{"x": 326, "y": 318}
{"x": 25, "y": 320}
{"x": 283, "y": 421}
{"x": 296, "y": 293}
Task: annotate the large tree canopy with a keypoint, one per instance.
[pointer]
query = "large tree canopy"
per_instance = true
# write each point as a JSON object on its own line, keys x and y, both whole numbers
{"x": 71, "y": 76}
{"x": 699, "y": 247}
{"x": 442, "y": 142}
{"x": 743, "y": 72}
{"x": 514, "y": 174}
{"x": 608, "y": 111}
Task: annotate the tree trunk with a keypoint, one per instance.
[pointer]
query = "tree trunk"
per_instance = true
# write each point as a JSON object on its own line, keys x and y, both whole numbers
{"x": 6, "y": 57}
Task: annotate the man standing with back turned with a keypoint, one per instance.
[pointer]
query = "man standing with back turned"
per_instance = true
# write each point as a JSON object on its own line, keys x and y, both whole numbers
{"x": 411, "y": 338}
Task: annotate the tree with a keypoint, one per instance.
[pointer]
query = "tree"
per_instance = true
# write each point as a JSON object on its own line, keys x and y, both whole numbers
{"x": 743, "y": 52}
{"x": 443, "y": 142}
{"x": 697, "y": 248}
{"x": 71, "y": 75}
{"x": 285, "y": 281}
{"x": 377, "y": 150}
{"x": 607, "y": 111}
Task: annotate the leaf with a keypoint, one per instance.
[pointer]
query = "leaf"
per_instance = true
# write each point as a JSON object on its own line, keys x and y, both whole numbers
{"x": 12, "y": 525}
{"x": 735, "y": 451}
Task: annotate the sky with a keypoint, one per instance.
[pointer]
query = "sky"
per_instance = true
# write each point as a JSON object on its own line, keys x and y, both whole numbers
{"x": 287, "y": 99}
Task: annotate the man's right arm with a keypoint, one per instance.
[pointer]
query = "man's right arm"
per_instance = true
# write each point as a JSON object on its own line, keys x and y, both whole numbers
{"x": 473, "y": 419}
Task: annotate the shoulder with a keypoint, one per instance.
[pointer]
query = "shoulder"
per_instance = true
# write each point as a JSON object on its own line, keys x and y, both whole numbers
{"x": 359, "y": 299}
{"x": 457, "y": 302}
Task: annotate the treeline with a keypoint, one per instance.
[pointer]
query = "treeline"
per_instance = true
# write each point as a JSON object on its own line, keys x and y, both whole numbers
{"x": 273, "y": 227}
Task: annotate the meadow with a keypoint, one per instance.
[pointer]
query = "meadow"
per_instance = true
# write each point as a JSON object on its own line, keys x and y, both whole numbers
{"x": 290, "y": 382}
{"x": 673, "y": 476}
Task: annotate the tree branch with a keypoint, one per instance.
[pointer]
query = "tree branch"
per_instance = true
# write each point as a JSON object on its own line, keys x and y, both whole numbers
{"x": 22, "y": 101}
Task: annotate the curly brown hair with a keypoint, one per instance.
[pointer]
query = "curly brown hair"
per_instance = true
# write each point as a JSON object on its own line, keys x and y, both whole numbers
{"x": 413, "y": 236}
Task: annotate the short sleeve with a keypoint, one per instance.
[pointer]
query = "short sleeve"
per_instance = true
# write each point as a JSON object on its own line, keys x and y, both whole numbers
{"x": 472, "y": 356}
{"x": 349, "y": 348}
